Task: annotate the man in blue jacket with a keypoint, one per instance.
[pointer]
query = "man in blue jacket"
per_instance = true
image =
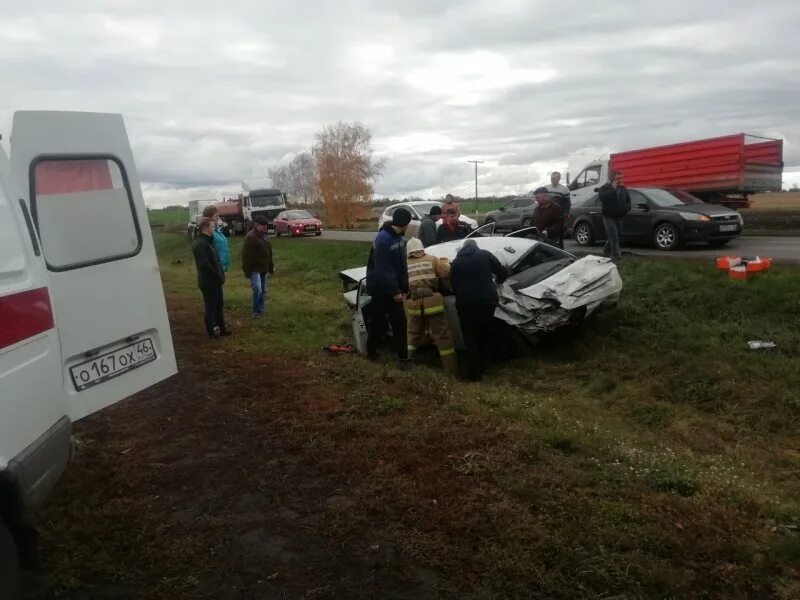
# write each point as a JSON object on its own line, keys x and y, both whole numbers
{"x": 387, "y": 284}
{"x": 473, "y": 275}
{"x": 220, "y": 241}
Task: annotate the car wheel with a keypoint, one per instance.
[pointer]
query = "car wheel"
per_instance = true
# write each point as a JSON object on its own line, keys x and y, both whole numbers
{"x": 583, "y": 234}
{"x": 666, "y": 237}
{"x": 718, "y": 243}
{"x": 526, "y": 223}
{"x": 489, "y": 221}
{"x": 9, "y": 565}
{"x": 318, "y": 233}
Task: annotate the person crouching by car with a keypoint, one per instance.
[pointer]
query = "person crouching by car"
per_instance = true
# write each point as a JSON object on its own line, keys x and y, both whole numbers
{"x": 257, "y": 262}
{"x": 473, "y": 274}
{"x": 210, "y": 278}
{"x": 387, "y": 284}
{"x": 548, "y": 218}
{"x": 451, "y": 228}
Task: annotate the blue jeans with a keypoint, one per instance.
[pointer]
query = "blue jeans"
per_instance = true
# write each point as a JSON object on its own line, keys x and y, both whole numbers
{"x": 258, "y": 283}
{"x": 613, "y": 227}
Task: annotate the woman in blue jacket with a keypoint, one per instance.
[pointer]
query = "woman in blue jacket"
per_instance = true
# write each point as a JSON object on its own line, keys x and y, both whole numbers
{"x": 221, "y": 246}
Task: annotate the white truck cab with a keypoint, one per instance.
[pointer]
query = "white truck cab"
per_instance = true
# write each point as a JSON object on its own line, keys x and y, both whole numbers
{"x": 83, "y": 321}
{"x": 583, "y": 186}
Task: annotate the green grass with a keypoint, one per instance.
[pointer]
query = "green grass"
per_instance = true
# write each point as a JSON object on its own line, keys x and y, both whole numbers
{"x": 649, "y": 454}
{"x": 171, "y": 216}
{"x": 304, "y": 311}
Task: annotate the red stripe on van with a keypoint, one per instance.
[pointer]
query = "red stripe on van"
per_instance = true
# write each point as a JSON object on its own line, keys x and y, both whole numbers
{"x": 24, "y": 315}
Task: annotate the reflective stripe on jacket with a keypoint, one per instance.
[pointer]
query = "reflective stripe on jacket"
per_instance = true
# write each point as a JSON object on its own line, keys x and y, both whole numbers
{"x": 425, "y": 307}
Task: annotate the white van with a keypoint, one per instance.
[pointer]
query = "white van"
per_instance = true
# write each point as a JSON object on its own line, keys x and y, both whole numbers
{"x": 83, "y": 321}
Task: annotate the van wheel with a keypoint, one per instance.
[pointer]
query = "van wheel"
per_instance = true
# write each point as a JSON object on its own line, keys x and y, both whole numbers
{"x": 583, "y": 234}
{"x": 666, "y": 237}
{"x": 9, "y": 565}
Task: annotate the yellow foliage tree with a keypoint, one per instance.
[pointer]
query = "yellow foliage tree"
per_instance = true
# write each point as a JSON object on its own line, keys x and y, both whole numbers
{"x": 346, "y": 171}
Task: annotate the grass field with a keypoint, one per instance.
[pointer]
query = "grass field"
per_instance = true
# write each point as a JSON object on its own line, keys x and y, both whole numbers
{"x": 650, "y": 454}
{"x": 786, "y": 201}
{"x": 170, "y": 216}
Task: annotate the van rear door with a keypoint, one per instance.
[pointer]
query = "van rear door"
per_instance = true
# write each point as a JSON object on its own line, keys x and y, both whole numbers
{"x": 79, "y": 179}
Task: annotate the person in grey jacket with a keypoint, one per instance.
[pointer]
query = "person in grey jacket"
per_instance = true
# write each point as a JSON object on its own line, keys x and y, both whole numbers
{"x": 427, "y": 228}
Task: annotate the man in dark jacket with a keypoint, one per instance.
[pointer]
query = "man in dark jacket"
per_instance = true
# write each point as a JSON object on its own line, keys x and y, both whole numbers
{"x": 616, "y": 203}
{"x": 548, "y": 217}
{"x": 387, "y": 284}
{"x": 210, "y": 278}
{"x": 476, "y": 300}
{"x": 451, "y": 228}
{"x": 427, "y": 227}
{"x": 257, "y": 262}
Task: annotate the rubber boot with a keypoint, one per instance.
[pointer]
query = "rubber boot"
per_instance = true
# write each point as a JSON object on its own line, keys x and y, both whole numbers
{"x": 450, "y": 364}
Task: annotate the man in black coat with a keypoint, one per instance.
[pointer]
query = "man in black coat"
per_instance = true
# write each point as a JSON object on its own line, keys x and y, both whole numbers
{"x": 473, "y": 274}
{"x": 615, "y": 203}
{"x": 210, "y": 278}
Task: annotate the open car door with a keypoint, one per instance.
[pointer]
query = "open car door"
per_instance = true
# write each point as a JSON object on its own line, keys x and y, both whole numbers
{"x": 483, "y": 231}
{"x": 531, "y": 233}
{"x": 80, "y": 183}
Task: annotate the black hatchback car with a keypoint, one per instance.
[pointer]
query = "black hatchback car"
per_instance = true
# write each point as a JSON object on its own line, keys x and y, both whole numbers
{"x": 661, "y": 217}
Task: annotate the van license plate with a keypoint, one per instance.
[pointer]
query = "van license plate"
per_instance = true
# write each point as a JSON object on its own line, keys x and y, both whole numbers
{"x": 112, "y": 364}
{"x": 728, "y": 227}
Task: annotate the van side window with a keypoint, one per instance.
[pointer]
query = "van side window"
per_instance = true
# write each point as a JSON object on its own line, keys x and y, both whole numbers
{"x": 84, "y": 211}
{"x": 592, "y": 175}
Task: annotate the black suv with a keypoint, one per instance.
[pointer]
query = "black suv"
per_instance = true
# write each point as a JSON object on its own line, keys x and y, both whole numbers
{"x": 661, "y": 217}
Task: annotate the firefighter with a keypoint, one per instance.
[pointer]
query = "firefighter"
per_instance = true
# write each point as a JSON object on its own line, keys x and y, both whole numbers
{"x": 425, "y": 304}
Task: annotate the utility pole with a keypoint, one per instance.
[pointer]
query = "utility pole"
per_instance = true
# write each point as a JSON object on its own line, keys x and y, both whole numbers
{"x": 476, "y": 162}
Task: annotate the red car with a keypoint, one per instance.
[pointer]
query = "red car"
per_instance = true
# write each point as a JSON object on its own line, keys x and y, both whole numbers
{"x": 297, "y": 222}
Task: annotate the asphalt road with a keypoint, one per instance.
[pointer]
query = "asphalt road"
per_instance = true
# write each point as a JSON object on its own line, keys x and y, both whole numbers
{"x": 780, "y": 249}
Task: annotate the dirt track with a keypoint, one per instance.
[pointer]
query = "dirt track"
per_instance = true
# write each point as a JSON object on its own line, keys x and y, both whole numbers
{"x": 216, "y": 486}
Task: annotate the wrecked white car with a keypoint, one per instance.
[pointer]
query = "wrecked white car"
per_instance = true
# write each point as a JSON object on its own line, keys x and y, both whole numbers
{"x": 548, "y": 287}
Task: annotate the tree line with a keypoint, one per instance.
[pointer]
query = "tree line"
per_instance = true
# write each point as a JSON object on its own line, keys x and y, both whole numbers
{"x": 339, "y": 172}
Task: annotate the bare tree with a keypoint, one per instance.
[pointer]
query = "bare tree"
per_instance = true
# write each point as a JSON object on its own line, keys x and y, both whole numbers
{"x": 281, "y": 178}
{"x": 303, "y": 172}
{"x": 346, "y": 171}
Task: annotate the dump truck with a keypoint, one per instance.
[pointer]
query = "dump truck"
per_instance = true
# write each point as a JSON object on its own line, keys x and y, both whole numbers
{"x": 239, "y": 211}
{"x": 724, "y": 170}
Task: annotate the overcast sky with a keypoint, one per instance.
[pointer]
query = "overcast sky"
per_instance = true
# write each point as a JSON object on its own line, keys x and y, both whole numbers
{"x": 216, "y": 91}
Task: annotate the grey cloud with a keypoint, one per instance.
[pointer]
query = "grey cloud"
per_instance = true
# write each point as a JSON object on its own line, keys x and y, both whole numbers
{"x": 219, "y": 92}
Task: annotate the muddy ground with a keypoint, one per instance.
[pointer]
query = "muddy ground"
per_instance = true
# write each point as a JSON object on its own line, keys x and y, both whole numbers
{"x": 224, "y": 482}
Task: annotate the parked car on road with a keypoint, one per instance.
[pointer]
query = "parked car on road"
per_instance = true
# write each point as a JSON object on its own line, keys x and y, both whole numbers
{"x": 418, "y": 209}
{"x": 513, "y": 215}
{"x": 297, "y": 222}
{"x": 660, "y": 217}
